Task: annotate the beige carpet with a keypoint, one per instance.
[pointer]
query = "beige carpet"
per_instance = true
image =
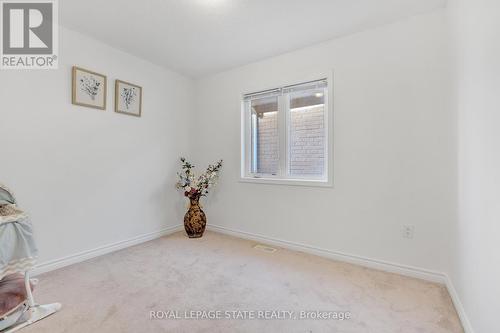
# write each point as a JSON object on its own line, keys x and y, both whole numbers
{"x": 116, "y": 292}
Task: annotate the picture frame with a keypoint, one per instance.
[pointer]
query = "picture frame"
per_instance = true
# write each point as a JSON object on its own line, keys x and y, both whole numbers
{"x": 128, "y": 98}
{"x": 89, "y": 88}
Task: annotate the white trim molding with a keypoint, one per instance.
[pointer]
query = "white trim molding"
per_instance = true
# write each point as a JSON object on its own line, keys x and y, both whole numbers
{"x": 410, "y": 271}
{"x": 51, "y": 265}
{"x": 390, "y": 267}
{"x": 458, "y": 305}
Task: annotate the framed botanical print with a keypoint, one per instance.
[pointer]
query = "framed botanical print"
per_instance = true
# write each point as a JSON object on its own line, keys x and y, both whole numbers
{"x": 128, "y": 98}
{"x": 89, "y": 88}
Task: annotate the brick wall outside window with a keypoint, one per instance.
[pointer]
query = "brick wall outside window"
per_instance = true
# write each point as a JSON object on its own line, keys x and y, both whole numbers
{"x": 268, "y": 144}
{"x": 307, "y": 142}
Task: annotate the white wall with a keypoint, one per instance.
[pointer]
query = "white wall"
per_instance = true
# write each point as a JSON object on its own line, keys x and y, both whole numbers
{"x": 91, "y": 178}
{"x": 476, "y": 272}
{"x": 394, "y": 142}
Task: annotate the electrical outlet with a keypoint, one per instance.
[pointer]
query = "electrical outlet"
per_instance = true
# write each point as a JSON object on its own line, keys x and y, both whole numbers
{"x": 408, "y": 231}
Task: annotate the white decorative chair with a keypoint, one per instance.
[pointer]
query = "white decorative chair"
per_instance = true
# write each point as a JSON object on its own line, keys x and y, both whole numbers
{"x": 18, "y": 254}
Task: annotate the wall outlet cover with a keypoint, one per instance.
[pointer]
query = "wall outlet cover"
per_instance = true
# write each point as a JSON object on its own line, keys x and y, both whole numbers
{"x": 408, "y": 231}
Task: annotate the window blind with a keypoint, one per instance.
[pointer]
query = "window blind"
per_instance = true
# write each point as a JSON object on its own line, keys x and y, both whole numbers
{"x": 262, "y": 94}
{"x": 316, "y": 84}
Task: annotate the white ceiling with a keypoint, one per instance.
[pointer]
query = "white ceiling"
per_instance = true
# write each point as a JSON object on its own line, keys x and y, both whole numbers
{"x": 202, "y": 37}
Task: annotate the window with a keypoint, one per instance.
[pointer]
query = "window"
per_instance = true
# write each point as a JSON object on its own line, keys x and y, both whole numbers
{"x": 285, "y": 134}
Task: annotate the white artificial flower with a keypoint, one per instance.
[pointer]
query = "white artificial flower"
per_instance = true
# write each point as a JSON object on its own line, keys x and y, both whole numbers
{"x": 188, "y": 189}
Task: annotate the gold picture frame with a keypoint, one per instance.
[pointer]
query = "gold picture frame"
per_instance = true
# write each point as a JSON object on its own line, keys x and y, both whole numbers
{"x": 128, "y": 98}
{"x": 91, "y": 90}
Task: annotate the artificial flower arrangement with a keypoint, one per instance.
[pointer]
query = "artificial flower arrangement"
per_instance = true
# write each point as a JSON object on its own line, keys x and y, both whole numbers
{"x": 196, "y": 187}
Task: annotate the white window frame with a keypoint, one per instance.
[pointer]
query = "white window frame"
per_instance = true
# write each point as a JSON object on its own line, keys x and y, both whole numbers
{"x": 283, "y": 127}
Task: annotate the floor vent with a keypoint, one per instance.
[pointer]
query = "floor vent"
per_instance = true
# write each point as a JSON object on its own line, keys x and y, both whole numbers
{"x": 265, "y": 248}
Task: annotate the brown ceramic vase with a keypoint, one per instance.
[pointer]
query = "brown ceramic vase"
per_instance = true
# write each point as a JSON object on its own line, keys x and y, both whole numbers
{"x": 195, "y": 219}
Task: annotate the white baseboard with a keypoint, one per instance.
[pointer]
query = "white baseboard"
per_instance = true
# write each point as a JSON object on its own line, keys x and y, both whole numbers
{"x": 458, "y": 306}
{"x": 410, "y": 271}
{"x": 89, "y": 254}
{"x": 405, "y": 270}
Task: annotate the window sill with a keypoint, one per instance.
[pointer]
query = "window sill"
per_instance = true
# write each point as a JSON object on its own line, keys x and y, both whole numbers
{"x": 288, "y": 182}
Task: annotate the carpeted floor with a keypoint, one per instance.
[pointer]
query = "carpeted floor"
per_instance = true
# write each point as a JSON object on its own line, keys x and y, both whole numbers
{"x": 117, "y": 292}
